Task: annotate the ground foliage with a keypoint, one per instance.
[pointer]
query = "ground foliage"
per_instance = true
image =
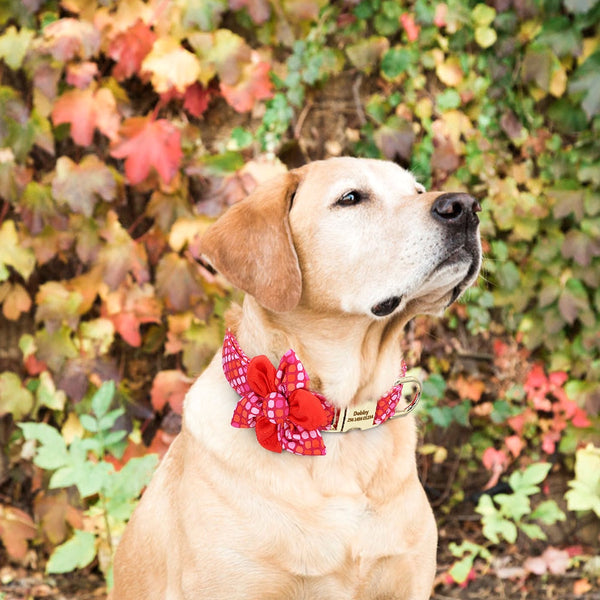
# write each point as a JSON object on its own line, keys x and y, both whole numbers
{"x": 125, "y": 127}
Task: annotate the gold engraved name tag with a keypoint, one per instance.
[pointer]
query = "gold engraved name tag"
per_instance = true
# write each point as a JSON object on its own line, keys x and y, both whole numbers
{"x": 362, "y": 416}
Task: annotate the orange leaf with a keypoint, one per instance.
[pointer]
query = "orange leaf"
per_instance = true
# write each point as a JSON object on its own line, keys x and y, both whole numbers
{"x": 411, "y": 28}
{"x": 254, "y": 84}
{"x": 87, "y": 110}
{"x": 147, "y": 143}
{"x": 53, "y": 512}
{"x": 80, "y": 75}
{"x": 177, "y": 281}
{"x": 16, "y": 527}
{"x": 129, "y": 307}
{"x": 581, "y": 587}
{"x": 14, "y": 299}
{"x": 470, "y": 389}
{"x": 129, "y": 48}
{"x": 170, "y": 387}
{"x": 515, "y": 444}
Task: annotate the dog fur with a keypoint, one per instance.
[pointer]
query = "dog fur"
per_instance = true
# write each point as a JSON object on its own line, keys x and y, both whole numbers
{"x": 223, "y": 518}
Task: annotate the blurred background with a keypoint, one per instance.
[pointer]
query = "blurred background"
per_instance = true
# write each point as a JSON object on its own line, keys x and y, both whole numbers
{"x": 127, "y": 126}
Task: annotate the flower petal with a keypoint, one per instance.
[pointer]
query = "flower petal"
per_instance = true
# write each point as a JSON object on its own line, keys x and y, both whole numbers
{"x": 306, "y": 410}
{"x": 267, "y": 435}
{"x": 261, "y": 376}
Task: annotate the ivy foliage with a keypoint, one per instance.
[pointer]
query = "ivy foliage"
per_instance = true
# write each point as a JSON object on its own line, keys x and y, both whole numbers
{"x": 126, "y": 126}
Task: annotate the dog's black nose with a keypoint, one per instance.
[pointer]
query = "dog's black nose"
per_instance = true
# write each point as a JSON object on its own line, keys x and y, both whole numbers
{"x": 455, "y": 209}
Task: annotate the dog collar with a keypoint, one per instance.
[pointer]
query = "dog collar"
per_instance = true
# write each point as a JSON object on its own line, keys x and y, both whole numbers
{"x": 286, "y": 415}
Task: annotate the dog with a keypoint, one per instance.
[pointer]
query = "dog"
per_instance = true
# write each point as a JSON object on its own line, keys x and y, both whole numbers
{"x": 334, "y": 257}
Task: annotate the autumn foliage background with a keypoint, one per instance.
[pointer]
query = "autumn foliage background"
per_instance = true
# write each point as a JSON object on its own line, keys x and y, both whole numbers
{"x": 126, "y": 127}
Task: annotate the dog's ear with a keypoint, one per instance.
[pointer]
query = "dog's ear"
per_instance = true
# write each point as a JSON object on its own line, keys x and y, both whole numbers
{"x": 252, "y": 246}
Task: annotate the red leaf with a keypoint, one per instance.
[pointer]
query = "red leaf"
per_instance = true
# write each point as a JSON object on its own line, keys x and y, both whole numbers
{"x": 441, "y": 11}
{"x": 411, "y": 28}
{"x": 196, "y": 99}
{"x": 515, "y": 444}
{"x": 557, "y": 378}
{"x": 87, "y": 110}
{"x": 129, "y": 48}
{"x": 170, "y": 386}
{"x": 259, "y": 10}
{"x": 130, "y": 307}
{"x": 80, "y": 75}
{"x": 253, "y": 85}
{"x": 147, "y": 143}
{"x": 493, "y": 459}
{"x": 68, "y": 38}
{"x": 580, "y": 419}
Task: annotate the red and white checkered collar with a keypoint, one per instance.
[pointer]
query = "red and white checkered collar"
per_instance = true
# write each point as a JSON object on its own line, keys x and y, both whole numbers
{"x": 278, "y": 403}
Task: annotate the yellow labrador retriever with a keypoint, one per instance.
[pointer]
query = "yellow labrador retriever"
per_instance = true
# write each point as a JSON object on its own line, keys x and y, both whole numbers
{"x": 335, "y": 258}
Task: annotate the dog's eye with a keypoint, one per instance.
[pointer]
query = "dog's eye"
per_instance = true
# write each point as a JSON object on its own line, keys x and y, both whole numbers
{"x": 351, "y": 198}
{"x": 420, "y": 188}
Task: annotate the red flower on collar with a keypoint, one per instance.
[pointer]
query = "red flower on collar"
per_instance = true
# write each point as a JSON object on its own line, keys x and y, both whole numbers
{"x": 276, "y": 402}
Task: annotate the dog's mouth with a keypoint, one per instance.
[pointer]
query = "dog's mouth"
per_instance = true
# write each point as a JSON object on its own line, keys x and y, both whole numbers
{"x": 468, "y": 279}
{"x": 387, "y": 307}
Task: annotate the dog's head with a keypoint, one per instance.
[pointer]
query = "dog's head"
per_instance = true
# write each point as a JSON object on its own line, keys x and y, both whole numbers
{"x": 349, "y": 235}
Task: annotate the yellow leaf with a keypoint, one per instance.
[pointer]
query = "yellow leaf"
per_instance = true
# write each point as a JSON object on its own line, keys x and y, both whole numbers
{"x": 590, "y": 45}
{"x": 485, "y": 36}
{"x": 14, "y": 46}
{"x": 456, "y": 124}
{"x": 12, "y": 253}
{"x": 185, "y": 230}
{"x": 84, "y": 8}
{"x": 72, "y": 428}
{"x": 171, "y": 66}
{"x": 449, "y": 72}
{"x": 424, "y": 108}
{"x": 558, "y": 81}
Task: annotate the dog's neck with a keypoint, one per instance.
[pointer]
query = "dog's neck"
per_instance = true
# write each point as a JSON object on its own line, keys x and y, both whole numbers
{"x": 350, "y": 359}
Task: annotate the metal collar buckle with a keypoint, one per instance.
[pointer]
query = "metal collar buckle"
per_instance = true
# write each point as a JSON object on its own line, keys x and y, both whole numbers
{"x": 362, "y": 416}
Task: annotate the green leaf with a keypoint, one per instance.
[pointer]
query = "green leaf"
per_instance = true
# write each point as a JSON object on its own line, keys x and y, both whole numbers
{"x": 483, "y": 15}
{"x": 461, "y": 569}
{"x": 14, "y": 45}
{"x": 89, "y": 423}
{"x": 52, "y": 454}
{"x": 515, "y": 505}
{"x": 102, "y": 399}
{"x": 533, "y": 531}
{"x": 125, "y": 486}
{"x": 585, "y": 488}
{"x": 12, "y": 252}
{"x": 387, "y": 20}
{"x": 449, "y": 99}
{"x": 15, "y": 399}
{"x": 586, "y": 82}
{"x": 76, "y": 553}
{"x": 395, "y": 62}
{"x": 82, "y": 185}
{"x": 365, "y": 54}
{"x": 580, "y": 6}
{"x": 548, "y": 513}
{"x": 220, "y": 164}
{"x": 526, "y": 481}
{"x": 47, "y": 395}
{"x": 90, "y": 478}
